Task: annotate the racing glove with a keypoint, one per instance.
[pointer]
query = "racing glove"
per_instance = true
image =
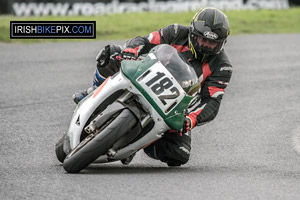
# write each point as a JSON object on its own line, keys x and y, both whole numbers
{"x": 108, "y": 60}
{"x": 188, "y": 125}
{"x": 102, "y": 57}
{"x": 130, "y": 53}
{"x": 112, "y": 67}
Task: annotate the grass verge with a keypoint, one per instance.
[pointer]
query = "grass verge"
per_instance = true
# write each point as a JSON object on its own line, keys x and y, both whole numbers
{"x": 125, "y": 26}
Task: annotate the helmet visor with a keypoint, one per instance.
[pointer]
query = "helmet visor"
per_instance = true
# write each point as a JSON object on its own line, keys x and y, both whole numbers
{"x": 206, "y": 45}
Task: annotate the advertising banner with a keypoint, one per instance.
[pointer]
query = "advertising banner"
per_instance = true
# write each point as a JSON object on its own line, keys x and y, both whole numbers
{"x": 93, "y": 7}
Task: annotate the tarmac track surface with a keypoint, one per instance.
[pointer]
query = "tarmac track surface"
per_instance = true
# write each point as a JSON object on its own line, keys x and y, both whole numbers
{"x": 248, "y": 152}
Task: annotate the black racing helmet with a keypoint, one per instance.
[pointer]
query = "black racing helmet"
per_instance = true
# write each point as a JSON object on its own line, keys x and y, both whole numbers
{"x": 212, "y": 25}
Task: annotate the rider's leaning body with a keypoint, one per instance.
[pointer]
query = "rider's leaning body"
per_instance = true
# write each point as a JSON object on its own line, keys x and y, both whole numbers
{"x": 202, "y": 45}
{"x": 214, "y": 71}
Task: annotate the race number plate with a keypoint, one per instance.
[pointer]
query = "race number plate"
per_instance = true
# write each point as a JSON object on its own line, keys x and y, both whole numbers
{"x": 163, "y": 88}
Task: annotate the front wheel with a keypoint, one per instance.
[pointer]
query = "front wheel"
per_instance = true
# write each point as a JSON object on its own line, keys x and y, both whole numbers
{"x": 94, "y": 146}
{"x": 59, "y": 150}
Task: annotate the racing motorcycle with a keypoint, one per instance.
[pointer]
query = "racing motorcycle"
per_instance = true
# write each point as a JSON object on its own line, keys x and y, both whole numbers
{"x": 107, "y": 125}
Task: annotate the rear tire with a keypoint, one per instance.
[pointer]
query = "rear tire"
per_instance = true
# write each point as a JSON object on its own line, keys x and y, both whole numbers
{"x": 100, "y": 143}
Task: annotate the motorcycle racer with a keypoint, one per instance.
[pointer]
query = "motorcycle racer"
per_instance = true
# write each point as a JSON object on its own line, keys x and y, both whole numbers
{"x": 202, "y": 44}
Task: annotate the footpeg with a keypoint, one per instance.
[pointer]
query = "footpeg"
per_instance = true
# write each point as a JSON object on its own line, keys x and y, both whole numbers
{"x": 127, "y": 160}
{"x": 111, "y": 152}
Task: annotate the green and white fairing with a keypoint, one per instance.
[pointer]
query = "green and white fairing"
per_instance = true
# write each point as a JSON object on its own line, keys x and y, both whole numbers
{"x": 158, "y": 86}
{"x": 166, "y": 81}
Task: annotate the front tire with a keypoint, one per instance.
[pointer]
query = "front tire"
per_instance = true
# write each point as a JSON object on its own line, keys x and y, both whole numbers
{"x": 59, "y": 150}
{"x": 94, "y": 146}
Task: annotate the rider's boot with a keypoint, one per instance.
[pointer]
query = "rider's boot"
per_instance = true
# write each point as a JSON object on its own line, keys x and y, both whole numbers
{"x": 127, "y": 160}
{"x": 77, "y": 97}
{"x": 98, "y": 80}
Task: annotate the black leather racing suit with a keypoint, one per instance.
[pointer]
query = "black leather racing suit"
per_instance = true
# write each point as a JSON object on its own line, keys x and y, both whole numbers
{"x": 214, "y": 73}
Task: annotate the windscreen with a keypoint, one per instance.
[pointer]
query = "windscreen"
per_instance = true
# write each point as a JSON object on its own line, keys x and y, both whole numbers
{"x": 182, "y": 72}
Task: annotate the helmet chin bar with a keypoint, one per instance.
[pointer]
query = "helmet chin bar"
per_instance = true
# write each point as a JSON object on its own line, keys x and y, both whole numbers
{"x": 216, "y": 50}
